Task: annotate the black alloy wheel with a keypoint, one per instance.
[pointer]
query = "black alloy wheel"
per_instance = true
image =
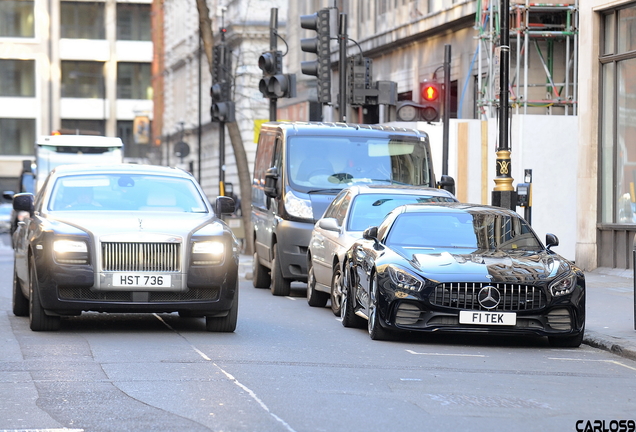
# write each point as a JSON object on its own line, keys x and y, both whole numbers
{"x": 226, "y": 324}
{"x": 347, "y": 311}
{"x": 38, "y": 319}
{"x": 376, "y": 332}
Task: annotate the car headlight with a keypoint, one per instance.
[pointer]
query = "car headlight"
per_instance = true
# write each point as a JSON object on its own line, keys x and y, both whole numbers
{"x": 207, "y": 252}
{"x": 404, "y": 279}
{"x": 70, "y": 251}
{"x": 298, "y": 207}
{"x": 563, "y": 286}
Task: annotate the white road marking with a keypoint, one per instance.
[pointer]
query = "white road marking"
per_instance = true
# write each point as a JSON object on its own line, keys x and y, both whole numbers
{"x": 291, "y": 298}
{"x": 231, "y": 378}
{"x": 590, "y": 360}
{"x": 442, "y": 354}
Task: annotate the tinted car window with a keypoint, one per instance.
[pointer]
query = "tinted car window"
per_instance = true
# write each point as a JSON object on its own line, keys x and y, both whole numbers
{"x": 369, "y": 209}
{"x": 124, "y": 193}
{"x": 483, "y": 231}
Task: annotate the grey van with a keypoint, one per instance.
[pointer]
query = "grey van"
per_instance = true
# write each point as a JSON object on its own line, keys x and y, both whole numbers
{"x": 299, "y": 169}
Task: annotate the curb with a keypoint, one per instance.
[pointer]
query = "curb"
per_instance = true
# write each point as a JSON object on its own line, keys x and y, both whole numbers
{"x": 612, "y": 344}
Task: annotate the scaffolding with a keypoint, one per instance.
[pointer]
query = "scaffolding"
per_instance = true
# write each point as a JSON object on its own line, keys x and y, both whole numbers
{"x": 543, "y": 57}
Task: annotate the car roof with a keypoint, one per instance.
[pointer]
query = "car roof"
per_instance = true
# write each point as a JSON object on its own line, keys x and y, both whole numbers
{"x": 454, "y": 207}
{"x": 122, "y": 168}
{"x": 395, "y": 189}
{"x": 335, "y": 129}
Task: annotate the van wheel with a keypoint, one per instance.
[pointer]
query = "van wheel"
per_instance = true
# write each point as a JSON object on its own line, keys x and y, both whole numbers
{"x": 38, "y": 319}
{"x": 280, "y": 285}
{"x": 260, "y": 274}
{"x": 20, "y": 302}
{"x": 314, "y": 298}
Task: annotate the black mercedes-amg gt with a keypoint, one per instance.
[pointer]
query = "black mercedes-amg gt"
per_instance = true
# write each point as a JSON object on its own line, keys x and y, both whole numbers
{"x": 453, "y": 267}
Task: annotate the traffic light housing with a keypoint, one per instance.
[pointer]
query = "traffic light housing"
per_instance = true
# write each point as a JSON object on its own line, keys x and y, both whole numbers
{"x": 222, "y": 109}
{"x": 319, "y": 45}
{"x": 275, "y": 84}
{"x": 431, "y": 100}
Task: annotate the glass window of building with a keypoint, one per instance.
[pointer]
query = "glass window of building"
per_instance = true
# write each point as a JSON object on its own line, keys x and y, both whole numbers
{"x": 133, "y": 22}
{"x": 18, "y": 136}
{"x": 81, "y": 79}
{"x": 17, "y": 18}
{"x": 82, "y": 20}
{"x": 133, "y": 81}
{"x": 618, "y": 110}
{"x": 17, "y": 78}
{"x": 83, "y": 127}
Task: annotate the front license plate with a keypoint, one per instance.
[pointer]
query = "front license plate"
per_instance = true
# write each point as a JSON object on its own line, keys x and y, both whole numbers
{"x": 488, "y": 318}
{"x": 140, "y": 280}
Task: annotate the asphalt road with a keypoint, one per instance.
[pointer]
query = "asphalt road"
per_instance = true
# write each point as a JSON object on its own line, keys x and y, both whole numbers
{"x": 289, "y": 367}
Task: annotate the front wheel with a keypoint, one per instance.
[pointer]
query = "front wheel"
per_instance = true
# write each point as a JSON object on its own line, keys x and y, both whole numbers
{"x": 336, "y": 290}
{"x": 314, "y": 298}
{"x": 260, "y": 274}
{"x": 376, "y": 332}
{"x": 226, "y": 324}
{"x": 38, "y": 319}
{"x": 280, "y": 285}
{"x": 347, "y": 305}
{"x": 568, "y": 341}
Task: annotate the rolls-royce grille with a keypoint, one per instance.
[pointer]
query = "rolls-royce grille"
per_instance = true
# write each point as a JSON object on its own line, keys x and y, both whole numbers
{"x": 141, "y": 257}
{"x": 514, "y": 297}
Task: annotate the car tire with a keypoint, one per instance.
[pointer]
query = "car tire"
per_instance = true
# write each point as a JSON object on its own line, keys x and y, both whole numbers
{"x": 38, "y": 319}
{"x": 280, "y": 285}
{"x": 376, "y": 332}
{"x": 336, "y": 290}
{"x": 347, "y": 312}
{"x": 20, "y": 302}
{"x": 226, "y": 324}
{"x": 260, "y": 274}
{"x": 314, "y": 298}
{"x": 568, "y": 341}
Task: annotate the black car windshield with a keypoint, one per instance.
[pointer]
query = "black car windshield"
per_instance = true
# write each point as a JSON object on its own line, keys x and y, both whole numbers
{"x": 476, "y": 231}
{"x": 369, "y": 209}
{"x": 125, "y": 192}
{"x": 329, "y": 162}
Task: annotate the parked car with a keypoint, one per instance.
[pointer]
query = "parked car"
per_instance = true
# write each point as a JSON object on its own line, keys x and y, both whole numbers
{"x": 352, "y": 211}
{"x": 453, "y": 267}
{"x": 124, "y": 238}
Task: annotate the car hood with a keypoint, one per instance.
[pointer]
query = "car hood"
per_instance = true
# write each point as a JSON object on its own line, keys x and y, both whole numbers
{"x": 486, "y": 266}
{"x": 139, "y": 224}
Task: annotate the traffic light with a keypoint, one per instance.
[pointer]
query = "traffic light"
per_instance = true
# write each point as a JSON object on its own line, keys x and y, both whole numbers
{"x": 274, "y": 83}
{"x": 321, "y": 67}
{"x": 222, "y": 109}
{"x": 360, "y": 77}
{"x": 430, "y": 99}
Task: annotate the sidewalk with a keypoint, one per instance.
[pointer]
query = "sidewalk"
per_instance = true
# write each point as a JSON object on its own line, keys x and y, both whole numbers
{"x": 609, "y": 309}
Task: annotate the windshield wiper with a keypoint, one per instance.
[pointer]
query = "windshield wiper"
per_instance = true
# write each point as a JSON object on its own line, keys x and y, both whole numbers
{"x": 332, "y": 190}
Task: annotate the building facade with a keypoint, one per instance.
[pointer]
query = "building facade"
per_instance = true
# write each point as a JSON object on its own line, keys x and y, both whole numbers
{"x": 73, "y": 66}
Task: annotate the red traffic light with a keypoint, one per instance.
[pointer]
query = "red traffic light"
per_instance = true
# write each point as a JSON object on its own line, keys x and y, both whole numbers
{"x": 430, "y": 92}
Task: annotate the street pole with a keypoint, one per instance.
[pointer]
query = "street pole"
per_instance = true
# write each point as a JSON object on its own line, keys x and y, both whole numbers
{"x": 503, "y": 195}
{"x": 224, "y": 74}
{"x": 273, "y": 46}
{"x": 342, "y": 66}
{"x": 199, "y": 119}
{"x": 446, "y": 116}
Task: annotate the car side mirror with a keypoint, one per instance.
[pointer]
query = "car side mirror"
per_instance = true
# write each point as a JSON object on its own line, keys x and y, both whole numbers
{"x": 224, "y": 205}
{"x": 23, "y": 202}
{"x": 329, "y": 224}
{"x": 271, "y": 182}
{"x": 447, "y": 183}
{"x": 370, "y": 233}
{"x": 551, "y": 240}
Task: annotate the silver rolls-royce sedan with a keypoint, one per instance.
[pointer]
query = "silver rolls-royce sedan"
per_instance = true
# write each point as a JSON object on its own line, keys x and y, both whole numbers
{"x": 124, "y": 238}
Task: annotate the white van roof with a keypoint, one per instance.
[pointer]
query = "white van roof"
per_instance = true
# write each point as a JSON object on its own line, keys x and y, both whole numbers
{"x": 79, "y": 141}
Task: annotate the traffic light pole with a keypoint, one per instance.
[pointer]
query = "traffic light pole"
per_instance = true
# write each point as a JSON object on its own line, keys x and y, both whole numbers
{"x": 503, "y": 195}
{"x": 446, "y": 116}
{"x": 222, "y": 128}
{"x": 342, "y": 66}
{"x": 273, "y": 46}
